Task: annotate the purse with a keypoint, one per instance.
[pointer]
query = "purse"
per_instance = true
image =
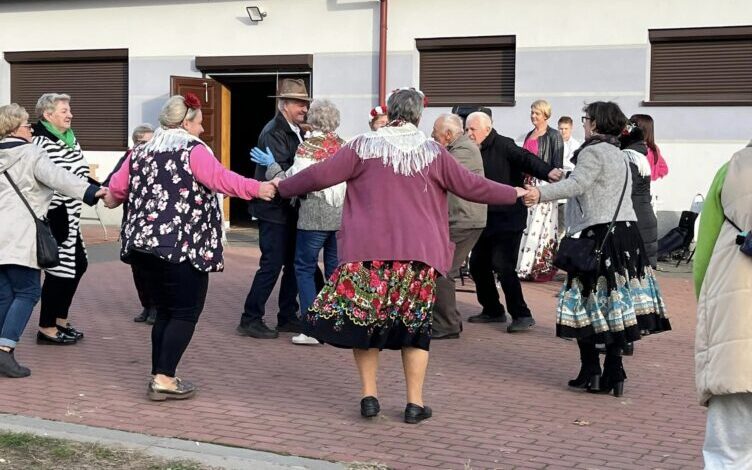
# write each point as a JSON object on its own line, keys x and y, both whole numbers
{"x": 47, "y": 251}
{"x": 580, "y": 255}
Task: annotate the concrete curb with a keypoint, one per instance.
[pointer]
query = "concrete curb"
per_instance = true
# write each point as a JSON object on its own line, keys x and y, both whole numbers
{"x": 231, "y": 458}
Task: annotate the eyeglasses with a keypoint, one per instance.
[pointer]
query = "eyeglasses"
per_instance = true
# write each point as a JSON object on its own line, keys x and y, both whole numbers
{"x": 28, "y": 126}
{"x": 586, "y": 118}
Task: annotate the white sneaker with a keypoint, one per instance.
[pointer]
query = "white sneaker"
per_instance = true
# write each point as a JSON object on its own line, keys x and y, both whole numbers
{"x": 303, "y": 339}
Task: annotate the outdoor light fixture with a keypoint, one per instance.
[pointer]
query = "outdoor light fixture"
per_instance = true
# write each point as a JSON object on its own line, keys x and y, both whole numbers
{"x": 255, "y": 14}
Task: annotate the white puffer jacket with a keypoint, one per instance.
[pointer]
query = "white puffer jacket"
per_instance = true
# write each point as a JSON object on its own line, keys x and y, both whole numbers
{"x": 36, "y": 176}
{"x": 723, "y": 342}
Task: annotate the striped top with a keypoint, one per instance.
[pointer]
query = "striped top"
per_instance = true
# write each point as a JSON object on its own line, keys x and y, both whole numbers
{"x": 72, "y": 160}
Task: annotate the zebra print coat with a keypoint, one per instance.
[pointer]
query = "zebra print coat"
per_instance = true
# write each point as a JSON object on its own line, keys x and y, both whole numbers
{"x": 64, "y": 213}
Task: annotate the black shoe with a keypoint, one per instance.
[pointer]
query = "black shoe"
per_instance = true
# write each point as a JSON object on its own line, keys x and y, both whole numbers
{"x": 142, "y": 316}
{"x": 611, "y": 381}
{"x": 369, "y": 407}
{"x": 628, "y": 349}
{"x": 59, "y": 338}
{"x": 521, "y": 324}
{"x": 586, "y": 380}
{"x": 70, "y": 331}
{"x": 447, "y": 336}
{"x": 290, "y": 326}
{"x": 9, "y": 367}
{"x": 183, "y": 391}
{"x": 483, "y": 317}
{"x": 256, "y": 329}
{"x": 415, "y": 414}
{"x": 152, "y": 317}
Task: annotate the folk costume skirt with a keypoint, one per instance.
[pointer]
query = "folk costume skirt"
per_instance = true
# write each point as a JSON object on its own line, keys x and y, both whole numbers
{"x": 539, "y": 242}
{"x": 375, "y": 304}
{"x": 622, "y": 301}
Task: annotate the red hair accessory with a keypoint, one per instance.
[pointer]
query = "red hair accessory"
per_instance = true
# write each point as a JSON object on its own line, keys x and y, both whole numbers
{"x": 191, "y": 101}
{"x": 378, "y": 111}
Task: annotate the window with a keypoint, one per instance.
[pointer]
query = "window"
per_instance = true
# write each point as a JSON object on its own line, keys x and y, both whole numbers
{"x": 701, "y": 66}
{"x": 470, "y": 70}
{"x": 96, "y": 80}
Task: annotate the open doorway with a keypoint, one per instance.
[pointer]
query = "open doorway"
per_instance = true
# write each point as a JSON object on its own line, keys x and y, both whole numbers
{"x": 250, "y": 109}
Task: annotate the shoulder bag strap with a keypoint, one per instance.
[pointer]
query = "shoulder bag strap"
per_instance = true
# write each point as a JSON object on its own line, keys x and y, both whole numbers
{"x": 18, "y": 191}
{"x": 618, "y": 208}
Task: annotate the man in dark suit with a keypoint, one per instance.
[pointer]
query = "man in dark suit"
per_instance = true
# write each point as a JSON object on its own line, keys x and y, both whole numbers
{"x": 498, "y": 248}
{"x": 277, "y": 220}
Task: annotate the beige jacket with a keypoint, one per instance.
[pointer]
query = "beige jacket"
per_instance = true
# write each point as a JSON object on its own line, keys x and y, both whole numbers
{"x": 36, "y": 176}
{"x": 723, "y": 340}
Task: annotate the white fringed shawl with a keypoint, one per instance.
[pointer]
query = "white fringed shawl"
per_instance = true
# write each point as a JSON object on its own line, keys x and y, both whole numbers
{"x": 640, "y": 161}
{"x": 405, "y": 148}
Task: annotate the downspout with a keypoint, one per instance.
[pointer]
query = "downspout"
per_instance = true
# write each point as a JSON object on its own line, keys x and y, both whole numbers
{"x": 382, "y": 51}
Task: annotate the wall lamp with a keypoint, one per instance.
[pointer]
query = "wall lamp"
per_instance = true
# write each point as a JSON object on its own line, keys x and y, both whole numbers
{"x": 256, "y": 14}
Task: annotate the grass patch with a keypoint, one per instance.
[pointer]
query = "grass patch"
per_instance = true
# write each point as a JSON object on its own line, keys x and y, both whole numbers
{"x": 32, "y": 452}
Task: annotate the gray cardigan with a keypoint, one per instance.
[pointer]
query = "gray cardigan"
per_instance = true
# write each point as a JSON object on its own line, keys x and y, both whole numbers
{"x": 594, "y": 187}
{"x": 314, "y": 213}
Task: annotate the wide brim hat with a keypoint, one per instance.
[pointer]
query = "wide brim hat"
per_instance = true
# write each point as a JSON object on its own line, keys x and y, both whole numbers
{"x": 293, "y": 89}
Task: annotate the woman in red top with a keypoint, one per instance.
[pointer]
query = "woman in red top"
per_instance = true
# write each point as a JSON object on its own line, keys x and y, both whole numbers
{"x": 658, "y": 166}
{"x": 393, "y": 242}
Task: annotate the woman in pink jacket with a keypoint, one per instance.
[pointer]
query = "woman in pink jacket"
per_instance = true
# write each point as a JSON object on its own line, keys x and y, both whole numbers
{"x": 393, "y": 243}
{"x": 658, "y": 166}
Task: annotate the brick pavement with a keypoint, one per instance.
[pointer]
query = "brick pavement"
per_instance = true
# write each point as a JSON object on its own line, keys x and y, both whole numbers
{"x": 500, "y": 400}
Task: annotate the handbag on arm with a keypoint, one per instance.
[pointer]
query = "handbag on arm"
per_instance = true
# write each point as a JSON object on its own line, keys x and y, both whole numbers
{"x": 580, "y": 255}
{"x": 47, "y": 251}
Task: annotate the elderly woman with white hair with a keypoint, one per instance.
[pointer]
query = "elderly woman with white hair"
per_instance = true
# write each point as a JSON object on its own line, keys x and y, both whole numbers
{"x": 540, "y": 239}
{"x": 173, "y": 230}
{"x": 27, "y": 181}
{"x": 320, "y": 212}
{"x": 393, "y": 241}
{"x": 53, "y": 134}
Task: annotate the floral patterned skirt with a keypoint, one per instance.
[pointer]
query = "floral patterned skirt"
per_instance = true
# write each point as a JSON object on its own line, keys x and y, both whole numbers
{"x": 619, "y": 304}
{"x": 375, "y": 304}
{"x": 539, "y": 243}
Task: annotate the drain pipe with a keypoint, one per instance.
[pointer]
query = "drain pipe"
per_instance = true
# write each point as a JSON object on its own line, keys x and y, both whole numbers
{"x": 382, "y": 51}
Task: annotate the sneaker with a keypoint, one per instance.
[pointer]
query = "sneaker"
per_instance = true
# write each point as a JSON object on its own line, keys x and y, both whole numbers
{"x": 484, "y": 317}
{"x": 521, "y": 324}
{"x": 290, "y": 326}
{"x": 256, "y": 329}
{"x": 142, "y": 316}
{"x": 303, "y": 339}
{"x": 152, "y": 316}
{"x": 9, "y": 367}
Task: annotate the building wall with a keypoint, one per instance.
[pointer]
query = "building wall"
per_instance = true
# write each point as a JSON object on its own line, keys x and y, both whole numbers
{"x": 569, "y": 54}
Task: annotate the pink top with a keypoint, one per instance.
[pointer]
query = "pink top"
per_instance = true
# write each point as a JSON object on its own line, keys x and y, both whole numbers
{"x": 531, "y": 145}
{"x": 658, "y": 166}
{"x": 389, "y": 216}
{"x": 207, "y": 171}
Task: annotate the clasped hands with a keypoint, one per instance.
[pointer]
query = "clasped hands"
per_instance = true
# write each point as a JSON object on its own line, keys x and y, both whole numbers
{"x": 531, "y": 195}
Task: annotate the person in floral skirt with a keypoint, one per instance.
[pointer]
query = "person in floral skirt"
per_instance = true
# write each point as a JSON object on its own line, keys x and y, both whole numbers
{"x": 393, "y": 243}
{"x": 173, "y": 230}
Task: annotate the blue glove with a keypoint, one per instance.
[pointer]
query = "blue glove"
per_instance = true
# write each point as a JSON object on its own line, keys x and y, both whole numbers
{"x": 262, "y": 158}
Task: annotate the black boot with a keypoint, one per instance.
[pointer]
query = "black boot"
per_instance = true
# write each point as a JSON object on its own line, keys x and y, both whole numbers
{"x": 590, "y": 368}
{"x": 9, "y": 367}
{"x": 613, "y": 373}
{"x": 152, "y": 316}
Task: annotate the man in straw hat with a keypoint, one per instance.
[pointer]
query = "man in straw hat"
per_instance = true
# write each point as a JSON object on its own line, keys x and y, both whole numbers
{"x": 277, "y": 220}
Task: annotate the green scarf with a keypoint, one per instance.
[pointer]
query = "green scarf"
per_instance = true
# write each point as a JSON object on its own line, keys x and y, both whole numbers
{"x": 67, "y": 137}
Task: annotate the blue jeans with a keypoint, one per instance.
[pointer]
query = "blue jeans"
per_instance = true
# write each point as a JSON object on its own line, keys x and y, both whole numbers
{"x": 20, "y": 289}
{"x": 307, "y": 248}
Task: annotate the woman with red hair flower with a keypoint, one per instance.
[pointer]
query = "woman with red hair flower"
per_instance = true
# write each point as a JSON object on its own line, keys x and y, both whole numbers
{"x": 173, "y": 229}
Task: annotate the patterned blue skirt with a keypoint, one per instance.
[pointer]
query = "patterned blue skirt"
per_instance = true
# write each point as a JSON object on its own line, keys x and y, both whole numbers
{"x": 622, "y": 301}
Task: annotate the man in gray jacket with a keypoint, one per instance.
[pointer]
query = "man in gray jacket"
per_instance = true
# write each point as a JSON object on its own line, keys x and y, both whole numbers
{"x": 466, "y": 223}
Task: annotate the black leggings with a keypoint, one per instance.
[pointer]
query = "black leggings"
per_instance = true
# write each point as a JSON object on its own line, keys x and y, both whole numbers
{"x": 179, "y": 291}
{"x": 58, "y": 292}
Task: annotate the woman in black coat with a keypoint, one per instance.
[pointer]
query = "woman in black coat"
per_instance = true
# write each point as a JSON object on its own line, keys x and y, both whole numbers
{"x": 636, "y": 149}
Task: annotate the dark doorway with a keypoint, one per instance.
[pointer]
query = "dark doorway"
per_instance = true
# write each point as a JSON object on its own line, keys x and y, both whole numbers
{"x": 250, "y": 109}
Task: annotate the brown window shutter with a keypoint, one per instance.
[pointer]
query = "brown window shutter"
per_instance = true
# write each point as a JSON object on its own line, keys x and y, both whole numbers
{"x": 471, "y": 71}
{"x": 98, "y": 88}
{"x": 701, "y": 66}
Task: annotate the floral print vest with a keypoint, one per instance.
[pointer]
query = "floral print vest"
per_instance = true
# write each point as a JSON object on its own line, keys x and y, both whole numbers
{"x": 170, "y": 214}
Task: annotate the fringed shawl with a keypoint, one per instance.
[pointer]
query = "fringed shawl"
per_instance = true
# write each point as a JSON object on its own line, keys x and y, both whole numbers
{"x": 639, "y": 160}
{"x": 171, "y": 139}
{"x": 405, "y": 148}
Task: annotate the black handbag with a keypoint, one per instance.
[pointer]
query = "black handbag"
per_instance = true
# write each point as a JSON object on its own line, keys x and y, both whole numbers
{"x": 47, "y": 251}
{"x": 579, "y": 255}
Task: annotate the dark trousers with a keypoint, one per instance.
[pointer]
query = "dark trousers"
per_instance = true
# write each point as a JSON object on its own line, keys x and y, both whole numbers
{"x": 179, "y": 291}
{"x": 142, "y": 287}
{"x": 58, "y": 292}
{"x": 446, "y": 318}
{"x": 277, "y": 244}
{"x": 498, "y": 253}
